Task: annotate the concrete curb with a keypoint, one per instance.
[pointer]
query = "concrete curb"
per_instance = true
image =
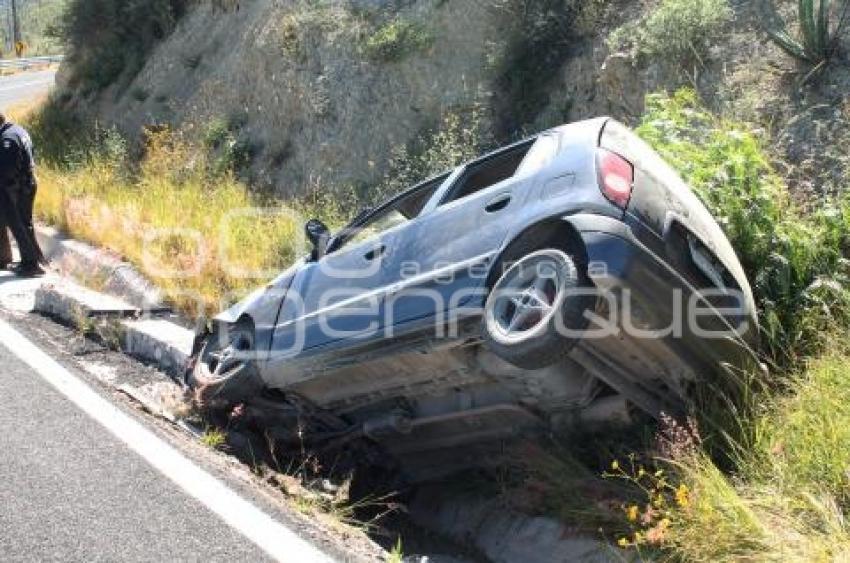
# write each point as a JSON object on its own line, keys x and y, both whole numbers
{"x": 84, "y": 262}
{"x": 158, "y": 342}
{"x": 81, "y": 303}
{"x": 503, "y": 535}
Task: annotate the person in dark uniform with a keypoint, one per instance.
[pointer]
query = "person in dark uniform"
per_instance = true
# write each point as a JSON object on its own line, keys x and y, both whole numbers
{"x": 18, "y": 186}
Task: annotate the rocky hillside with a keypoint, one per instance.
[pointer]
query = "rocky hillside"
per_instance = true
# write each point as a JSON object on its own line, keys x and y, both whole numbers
{"x": 335, "y": 93}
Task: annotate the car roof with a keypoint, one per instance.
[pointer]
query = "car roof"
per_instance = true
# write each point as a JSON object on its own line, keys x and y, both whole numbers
{"x": 589, "y": 130}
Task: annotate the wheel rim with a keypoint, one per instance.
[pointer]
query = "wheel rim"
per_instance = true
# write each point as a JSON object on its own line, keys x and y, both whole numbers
{"x": 231, "y": 357}
{"x": 528, "y": 295}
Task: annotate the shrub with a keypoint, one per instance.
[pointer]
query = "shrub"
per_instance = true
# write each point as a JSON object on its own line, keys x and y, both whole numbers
{"x": 226, "y": 151}
{"x": 539, "y": 37}
{"x": 290, "y": 43}
{"x": 460, "y": 136}
{"x": 62, "y": 137}
{"x": 109, "y": 39}
{"x": 679, "y": 30}
{"x": 795, "y": 260}
{"x": 397, "y": 39}
{"x": 818, "y": 38}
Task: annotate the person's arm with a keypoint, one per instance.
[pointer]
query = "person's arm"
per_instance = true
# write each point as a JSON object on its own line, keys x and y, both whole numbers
{"x": 10, "y": 161}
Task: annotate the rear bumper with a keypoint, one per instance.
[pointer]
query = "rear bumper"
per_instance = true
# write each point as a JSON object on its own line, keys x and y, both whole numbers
{"x": 666, "y": 330}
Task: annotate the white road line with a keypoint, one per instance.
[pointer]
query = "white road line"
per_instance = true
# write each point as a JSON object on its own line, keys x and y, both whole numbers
{"x": 269, "y": 535}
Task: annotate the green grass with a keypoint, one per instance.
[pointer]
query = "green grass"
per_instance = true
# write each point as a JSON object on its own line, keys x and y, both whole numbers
{"x": 214, "y": 438}
{"x": 805, "y": 438}
{"x": 396, "y": 555}
{"x": 788, "y": 499}
{"x": 397, "y": 39}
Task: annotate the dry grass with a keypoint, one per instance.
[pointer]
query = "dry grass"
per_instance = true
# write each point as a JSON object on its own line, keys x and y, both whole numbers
{"x": 195, "y": 231}
{"x": 179, "y": 231}
{"x": 790, "y": 498}
{"x": 787, "y": 500}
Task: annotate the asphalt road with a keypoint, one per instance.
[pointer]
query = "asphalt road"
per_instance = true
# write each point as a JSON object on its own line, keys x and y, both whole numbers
{"x": 71, "y": 491}
{"x": 25, "y": 86}
{"x": 84, "y": 477}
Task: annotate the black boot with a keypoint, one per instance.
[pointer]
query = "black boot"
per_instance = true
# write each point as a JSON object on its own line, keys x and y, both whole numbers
{"x": 28, "y": 270}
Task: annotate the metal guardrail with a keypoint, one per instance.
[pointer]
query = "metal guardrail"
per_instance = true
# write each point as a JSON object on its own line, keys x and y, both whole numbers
{"x": 30, "y": 61}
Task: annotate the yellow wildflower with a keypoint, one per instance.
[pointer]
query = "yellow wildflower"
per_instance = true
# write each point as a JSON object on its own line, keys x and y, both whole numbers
{"x": 683, "y": 495}
{"x": 623, "y": 542}
{"x": 632, "y": 513}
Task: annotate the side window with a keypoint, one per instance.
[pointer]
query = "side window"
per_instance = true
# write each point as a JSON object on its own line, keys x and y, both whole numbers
{"x": 377, "y": 225}
{"x": 406, "y": 208}
{"x": 488, "y": 172}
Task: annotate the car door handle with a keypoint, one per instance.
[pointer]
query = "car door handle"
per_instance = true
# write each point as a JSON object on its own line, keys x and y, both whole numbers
{"x": 498, "y": 204}
{"x": 375, "y": 253}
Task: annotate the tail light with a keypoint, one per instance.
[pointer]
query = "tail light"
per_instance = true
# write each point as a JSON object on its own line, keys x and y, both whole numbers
{"x": 616, "y": 177}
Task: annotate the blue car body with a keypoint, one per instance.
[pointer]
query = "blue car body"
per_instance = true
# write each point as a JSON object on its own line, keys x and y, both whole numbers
{"x": 383, "y": 353}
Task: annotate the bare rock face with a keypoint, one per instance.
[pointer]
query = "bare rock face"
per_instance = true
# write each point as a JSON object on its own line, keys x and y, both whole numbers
{"x": 622, "y": 83}
{"x": 325, "y": 93}
{"x": 315, "y": 93}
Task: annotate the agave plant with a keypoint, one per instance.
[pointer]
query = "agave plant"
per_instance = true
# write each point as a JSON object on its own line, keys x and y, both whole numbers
{"x": 819, "y": 37}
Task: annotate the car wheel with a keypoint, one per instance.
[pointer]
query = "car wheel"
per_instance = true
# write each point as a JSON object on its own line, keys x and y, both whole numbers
{"x": 225, "y": 372}
{"x": 531, "y": 305}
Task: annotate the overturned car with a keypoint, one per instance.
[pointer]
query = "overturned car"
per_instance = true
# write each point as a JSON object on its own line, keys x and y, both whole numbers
{"x": 568, "y": 279}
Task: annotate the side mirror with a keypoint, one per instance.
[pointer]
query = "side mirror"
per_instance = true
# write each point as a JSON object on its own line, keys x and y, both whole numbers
{"x": 318, "y": 234}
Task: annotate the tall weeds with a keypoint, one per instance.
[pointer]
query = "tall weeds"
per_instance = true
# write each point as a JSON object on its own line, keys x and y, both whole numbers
{"x": 176, "y": 212}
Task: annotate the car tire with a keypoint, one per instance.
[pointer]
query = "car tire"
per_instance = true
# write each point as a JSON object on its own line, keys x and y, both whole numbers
{"x": 225, "y": 371}
{"x": 531, "y": 304}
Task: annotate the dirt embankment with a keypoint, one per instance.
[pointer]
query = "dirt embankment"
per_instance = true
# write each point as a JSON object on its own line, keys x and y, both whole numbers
{"x": 327, "y": 93}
